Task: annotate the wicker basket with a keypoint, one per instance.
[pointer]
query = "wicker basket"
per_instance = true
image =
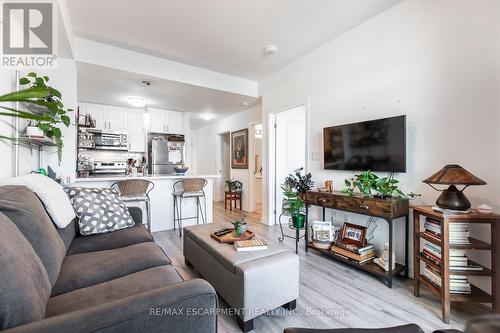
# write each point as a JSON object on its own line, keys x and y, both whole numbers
{"x": 133, "y": 187}
{"x": 194, "y": 184}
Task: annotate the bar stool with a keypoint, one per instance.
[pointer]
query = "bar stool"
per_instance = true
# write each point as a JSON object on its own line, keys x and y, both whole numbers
{"x": 136, "y": 190}
{"x": 189, "y": 188}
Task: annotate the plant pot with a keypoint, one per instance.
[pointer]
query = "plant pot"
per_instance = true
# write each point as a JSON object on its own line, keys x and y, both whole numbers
{"x": 240, "y": 229}
{"x": 298, "y": 220}
{"x": 34, "y": 131}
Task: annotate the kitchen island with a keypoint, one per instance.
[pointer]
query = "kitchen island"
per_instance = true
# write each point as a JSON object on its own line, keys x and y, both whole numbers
{"x": 162, "y": 202}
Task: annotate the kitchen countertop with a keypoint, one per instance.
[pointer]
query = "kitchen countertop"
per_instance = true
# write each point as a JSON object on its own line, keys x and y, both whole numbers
{"x": 104, "y": 178}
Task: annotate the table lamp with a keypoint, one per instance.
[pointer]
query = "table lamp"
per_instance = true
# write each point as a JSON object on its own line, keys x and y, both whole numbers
{"x": 453, "y": 198}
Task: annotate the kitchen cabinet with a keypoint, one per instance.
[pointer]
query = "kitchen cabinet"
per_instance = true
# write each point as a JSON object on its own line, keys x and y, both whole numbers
{"x": 164, "y": 121}
{"x": 117, "y": 118}
{"x": 136, "y": 134}
{"x": 112, "y": 118}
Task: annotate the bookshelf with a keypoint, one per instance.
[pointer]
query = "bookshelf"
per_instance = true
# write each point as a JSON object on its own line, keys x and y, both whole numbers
{"x": 477, "y": 295}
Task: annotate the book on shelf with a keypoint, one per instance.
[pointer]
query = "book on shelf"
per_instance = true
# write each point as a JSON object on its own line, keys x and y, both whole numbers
{"x": 457, "y": 285}
{"x": 250, "y": 245}
{"x": 469, "y": 267}
{"x": 352, "y": 255}
{"x": 361, "y": 250}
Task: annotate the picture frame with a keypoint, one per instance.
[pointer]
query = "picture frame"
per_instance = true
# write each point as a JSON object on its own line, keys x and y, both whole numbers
{"x": 353, "y": 234}
{"x": 239, "y": 149}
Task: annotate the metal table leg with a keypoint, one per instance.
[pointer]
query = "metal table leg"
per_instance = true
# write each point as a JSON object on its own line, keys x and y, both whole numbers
{"x": 389, "y": 278}
{"x": 306, "y": 238}
{"x": 407, "y": 236}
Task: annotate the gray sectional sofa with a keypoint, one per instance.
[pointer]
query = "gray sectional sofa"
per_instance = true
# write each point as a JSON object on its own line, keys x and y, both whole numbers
{"x": 55, "y": 280}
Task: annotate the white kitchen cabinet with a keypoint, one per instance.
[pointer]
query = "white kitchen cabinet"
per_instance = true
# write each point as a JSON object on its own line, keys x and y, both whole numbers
{"x": 175, "y": 122}
{"x": 99, "y": 112}
{"x": 164, "y": 121}
{"x": 136, "y": 135}
{"x": 117, "y": 118}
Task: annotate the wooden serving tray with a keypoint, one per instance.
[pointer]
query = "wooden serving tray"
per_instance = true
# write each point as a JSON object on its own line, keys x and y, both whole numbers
{"x": 229, "y": 238}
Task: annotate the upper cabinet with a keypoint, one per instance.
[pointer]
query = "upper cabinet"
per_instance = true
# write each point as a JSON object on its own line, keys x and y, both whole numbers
{"x": 112, "y": 118}
{"x": 136, "y": 134}
{"x": 164, "y": 121}
{"x": 117, "y": 118}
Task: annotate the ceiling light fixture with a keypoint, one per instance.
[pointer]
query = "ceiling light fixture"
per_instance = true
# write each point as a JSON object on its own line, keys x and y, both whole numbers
{"x": 137, "y": 102}
{"x": 270, "y": 49}
{"x": 207, "y": 116}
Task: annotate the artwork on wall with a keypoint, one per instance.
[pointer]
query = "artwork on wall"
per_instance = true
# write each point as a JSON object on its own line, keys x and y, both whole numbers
{"x": 239, "y": 149}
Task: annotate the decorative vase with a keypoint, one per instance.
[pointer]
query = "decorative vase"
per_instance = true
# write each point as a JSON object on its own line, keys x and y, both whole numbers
{"x": 240, "y": 229}
{"x": 298, "y": 220}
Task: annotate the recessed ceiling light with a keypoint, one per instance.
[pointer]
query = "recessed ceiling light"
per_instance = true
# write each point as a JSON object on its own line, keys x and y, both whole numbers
{"x": 270, "y": 49}
{"x": 243, "y": 104}
{"x": 137, "y": 102}
{"x": 207, "y": 116}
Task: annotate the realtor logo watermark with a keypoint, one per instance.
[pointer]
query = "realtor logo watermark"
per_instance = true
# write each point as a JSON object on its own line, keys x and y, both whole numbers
{"x": 28, "y": 37}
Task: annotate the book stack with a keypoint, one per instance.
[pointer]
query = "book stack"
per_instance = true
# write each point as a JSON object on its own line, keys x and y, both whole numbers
{"x": 432, "y": 252}
{"x": 359, "y": 254}
{"x": 459, "y": 233}
{"x": 432, "y": 228}
{"x": 250, "y": 245}
{"x": 458, "y": 283}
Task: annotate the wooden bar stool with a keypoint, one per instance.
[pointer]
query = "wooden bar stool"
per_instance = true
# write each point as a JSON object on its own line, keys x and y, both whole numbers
{"x": 136, "y": 191}
{"x": 185, "y": 189}
{"x": 232, "y": 196}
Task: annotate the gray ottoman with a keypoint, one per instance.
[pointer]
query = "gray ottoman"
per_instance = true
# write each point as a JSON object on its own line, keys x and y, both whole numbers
{"x": 250, "y": 282}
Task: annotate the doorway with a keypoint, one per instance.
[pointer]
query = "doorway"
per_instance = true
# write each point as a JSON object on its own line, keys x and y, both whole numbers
{"x": 224, "y": 164}
{"x": 290, "y": 149}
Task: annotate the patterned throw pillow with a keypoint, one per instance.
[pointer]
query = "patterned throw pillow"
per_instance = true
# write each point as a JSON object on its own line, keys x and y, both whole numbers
{"x": 99, "y": 210}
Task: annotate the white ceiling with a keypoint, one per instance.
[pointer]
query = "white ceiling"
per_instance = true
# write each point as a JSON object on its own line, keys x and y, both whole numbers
{"x": 105, "y": 85}
{"x": 227, "y": 36}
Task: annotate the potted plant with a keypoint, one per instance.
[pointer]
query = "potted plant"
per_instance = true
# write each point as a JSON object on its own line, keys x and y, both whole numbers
{"x": 293, "y": 205}
{"x": 45, "y": 107}
{"x": 234, "y": 185}
{"x": 240, "y": 226}
{"x": 302, "y": 183}
{"x": 370, "y": 185}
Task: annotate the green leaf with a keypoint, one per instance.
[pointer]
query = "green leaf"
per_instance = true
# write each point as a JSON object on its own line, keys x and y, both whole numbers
{"x": 57, "y": 132}
{"x": 31, "y": 74}
{"x": 25, "y": 95}
{"x": 55, "y": 92}
{"x": 66, "y": 120}
{"x": 46, "y": 78}
{"x": 24, "y": 81}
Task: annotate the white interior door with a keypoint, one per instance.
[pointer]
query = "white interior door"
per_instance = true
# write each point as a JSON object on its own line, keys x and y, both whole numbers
{"x": 290, "y": 134}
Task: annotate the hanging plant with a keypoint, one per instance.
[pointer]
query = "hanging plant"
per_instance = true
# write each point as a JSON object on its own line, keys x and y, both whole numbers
{"x": 36, "y": 92}
{"x": 370, "y": 185}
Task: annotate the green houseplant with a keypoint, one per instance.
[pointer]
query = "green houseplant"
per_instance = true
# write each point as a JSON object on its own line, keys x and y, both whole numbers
{"x": 240, "y": 226}
{"x": 37, "y": 95}
{"x": 370, "y": 185}
{"x": 234, "y": 185}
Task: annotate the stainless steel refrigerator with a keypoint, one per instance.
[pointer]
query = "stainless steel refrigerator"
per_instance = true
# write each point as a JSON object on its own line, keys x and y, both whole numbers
{"x": 165, "y": 152}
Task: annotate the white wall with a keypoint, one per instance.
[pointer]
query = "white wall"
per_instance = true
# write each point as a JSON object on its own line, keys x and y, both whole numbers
{"x": 207, "y": 142}
{"x": 62, "y": 78}
{"x": 437, "y": 62}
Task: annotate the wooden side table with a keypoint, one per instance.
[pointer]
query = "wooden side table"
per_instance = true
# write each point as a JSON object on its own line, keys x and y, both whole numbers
{"x": 477, "y": 295}
{"x": 232, "y": 196}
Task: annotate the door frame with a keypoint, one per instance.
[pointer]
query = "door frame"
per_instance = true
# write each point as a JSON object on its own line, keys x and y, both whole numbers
{"x": 251, "y": 163}
{"x": 219, "y": 186}
{"x": 271, "y": 186}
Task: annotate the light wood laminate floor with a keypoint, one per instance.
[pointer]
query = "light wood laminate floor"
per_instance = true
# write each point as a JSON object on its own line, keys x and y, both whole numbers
{"x": 332, "y": 294}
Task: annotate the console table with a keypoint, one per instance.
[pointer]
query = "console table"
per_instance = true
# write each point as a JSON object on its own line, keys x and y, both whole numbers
{"x": 386, "y": 209}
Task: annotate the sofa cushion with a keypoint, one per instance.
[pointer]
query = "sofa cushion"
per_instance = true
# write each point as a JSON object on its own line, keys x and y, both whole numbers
{"x": 52, "y": 195}
{"x": 113, "y": 290}
{"x": 113, "y": 240}
{"x": 24, "y": 208}
{"x": 99, "y": 210}
{"x": 25, "y": 286}
{"x": 68, "y": 233}
{"x": 86, "y": 269}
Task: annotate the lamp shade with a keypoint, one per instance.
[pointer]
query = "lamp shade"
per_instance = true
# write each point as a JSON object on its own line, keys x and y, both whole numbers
{"x": 454, "y": 174}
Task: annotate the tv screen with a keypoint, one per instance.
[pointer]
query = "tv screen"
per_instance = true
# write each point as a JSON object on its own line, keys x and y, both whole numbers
{"x": 376, "y": 145}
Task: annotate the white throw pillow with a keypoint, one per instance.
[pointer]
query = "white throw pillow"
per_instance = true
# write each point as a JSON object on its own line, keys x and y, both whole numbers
{"x": 52, "y": 195}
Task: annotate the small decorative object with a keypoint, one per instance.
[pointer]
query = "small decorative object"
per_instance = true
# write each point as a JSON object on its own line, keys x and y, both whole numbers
{"x": 322, "y": 234}
{"x": 484, "y": 209}
{"x": 240, "y": 226}
{"x": 239, "y": 144}
{"x": 234, "y": 185}
{"x": 383, "y": 260}
{"x": 33, "y": 130}
{"x": 453, "y": 198}
{"x": 181, "y": 169}
{"x": 329, "y": 185}
{"x": 353, "y": 234}
{"x": 367, "y": 183}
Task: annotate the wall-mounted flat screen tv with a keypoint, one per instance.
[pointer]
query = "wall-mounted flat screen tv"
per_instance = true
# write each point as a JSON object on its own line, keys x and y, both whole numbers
{"x": 376, "y": 145}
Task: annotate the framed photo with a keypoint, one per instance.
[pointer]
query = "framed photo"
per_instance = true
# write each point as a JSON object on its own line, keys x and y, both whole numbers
{"x": 239, "y": 149}
{"x": 353, "y": 234}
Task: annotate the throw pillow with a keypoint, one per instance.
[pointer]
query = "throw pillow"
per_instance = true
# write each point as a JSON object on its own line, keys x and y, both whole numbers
{"x": 99, "y": 210}
{"x": 51, "y": 194}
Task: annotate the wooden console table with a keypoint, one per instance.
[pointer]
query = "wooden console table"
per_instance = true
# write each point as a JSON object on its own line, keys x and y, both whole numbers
{"x": 386, "y": 209}
{"x": 477, "y": 295}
